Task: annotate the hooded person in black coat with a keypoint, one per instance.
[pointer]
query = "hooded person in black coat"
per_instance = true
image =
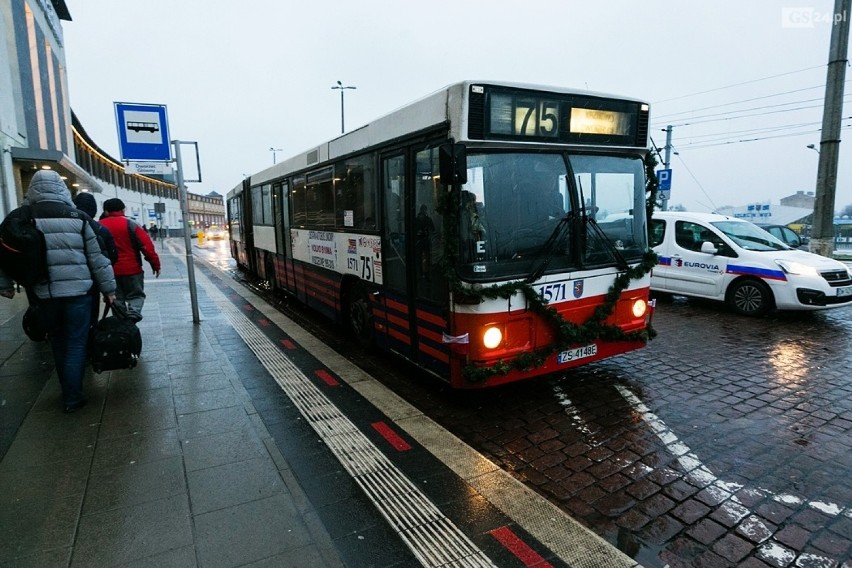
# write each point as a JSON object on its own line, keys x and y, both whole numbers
{"x": 86, "y": 203}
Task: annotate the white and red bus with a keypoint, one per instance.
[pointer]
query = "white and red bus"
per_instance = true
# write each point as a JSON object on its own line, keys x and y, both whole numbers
{"x": 489, "y": 232}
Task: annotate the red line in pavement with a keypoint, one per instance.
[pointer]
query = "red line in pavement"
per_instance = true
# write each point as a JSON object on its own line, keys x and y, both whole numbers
{"x": 327, "y": 378}
{"x": 264, "y": 322}
{"x": 392, "y": 437}
{"x": 519, "y": 548}
{"x": 288, "y": 344}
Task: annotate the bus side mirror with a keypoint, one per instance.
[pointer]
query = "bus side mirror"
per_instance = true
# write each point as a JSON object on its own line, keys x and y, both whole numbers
{"x": 452, "y": 164}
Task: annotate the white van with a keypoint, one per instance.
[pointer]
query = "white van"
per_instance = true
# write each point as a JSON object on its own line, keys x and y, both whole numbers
{"x": 728, "y": 259}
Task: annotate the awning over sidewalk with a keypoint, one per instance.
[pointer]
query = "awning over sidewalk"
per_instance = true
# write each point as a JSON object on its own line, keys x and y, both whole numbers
{"x": 34, "y": 159}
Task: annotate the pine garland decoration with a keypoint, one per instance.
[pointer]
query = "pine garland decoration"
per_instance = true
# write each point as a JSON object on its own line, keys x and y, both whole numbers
{"x": 566, "y": 333}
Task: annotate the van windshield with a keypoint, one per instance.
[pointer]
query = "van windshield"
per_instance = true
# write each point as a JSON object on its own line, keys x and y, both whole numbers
{"x": 749, "y": 236}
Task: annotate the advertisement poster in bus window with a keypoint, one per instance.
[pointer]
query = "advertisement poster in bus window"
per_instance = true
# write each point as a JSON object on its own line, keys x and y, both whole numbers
{"x": 345, "y": 253}
{"x": 323, "y": 249}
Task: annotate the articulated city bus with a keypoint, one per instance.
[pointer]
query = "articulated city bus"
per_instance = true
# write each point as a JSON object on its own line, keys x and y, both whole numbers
{"x": 489, "y": 232}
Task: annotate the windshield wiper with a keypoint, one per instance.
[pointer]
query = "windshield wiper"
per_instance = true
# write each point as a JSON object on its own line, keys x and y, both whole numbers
{"x": 621, "y": 264}
{"x": 549, "y": 246}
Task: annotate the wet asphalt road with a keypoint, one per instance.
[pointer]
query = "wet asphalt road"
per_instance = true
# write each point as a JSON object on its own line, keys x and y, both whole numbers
{"x": 726, "y": 442}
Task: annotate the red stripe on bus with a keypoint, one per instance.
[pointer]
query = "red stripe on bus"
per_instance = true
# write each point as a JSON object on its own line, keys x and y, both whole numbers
{"x": 400, "y": 336}
{"x": 396, "y": 306}
{"x": 288, "y": 344}
{"x": 519, "y": 548}
{"x": 431, "y": 318}
{"x": 441, "y": 356}
{"x": 320, "y": 279}
{"x": 403, "y": 323}
{"x": 429, "y": 334}
{"x": 326, "y": 378}
{"x": 392, "y": 437}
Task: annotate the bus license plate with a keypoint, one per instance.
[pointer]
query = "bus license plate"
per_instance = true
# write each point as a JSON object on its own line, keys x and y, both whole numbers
{"x": 578, "y": 353}
{"x": 845, "y": 291}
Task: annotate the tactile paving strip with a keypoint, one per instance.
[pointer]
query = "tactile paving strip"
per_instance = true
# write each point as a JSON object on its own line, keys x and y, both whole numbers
{"x": 431, "y": 536}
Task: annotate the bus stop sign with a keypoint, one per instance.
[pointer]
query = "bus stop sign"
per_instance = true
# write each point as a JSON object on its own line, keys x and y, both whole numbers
{"x": 143, "y": 132}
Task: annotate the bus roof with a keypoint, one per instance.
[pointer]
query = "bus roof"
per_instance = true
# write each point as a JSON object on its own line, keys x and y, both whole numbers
{"x": 420, "y": 115}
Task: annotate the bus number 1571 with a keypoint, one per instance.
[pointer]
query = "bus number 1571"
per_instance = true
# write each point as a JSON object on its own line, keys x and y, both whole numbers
{"x": 553, "y": 292}
{"x": 361, "y": 265}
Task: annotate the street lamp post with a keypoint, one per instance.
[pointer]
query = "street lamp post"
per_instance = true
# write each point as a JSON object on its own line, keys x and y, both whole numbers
{"x": 274, "y": 150}
{"x": 813, "y": 147}
{"x": 342, "y": 87}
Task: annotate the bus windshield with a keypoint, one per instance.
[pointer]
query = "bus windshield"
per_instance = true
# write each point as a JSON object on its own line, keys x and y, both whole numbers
{"x": 520, "y": 210}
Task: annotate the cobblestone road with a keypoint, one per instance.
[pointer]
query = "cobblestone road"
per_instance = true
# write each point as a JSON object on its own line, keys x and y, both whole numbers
{"x": 726, "y": 442}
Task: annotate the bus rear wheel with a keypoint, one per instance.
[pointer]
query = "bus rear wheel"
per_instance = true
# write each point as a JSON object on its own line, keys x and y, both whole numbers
{"x": 360, "y": 316}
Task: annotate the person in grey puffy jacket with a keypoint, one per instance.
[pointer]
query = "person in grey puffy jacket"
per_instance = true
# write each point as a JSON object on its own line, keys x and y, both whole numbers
{"x": 75, "y": 264}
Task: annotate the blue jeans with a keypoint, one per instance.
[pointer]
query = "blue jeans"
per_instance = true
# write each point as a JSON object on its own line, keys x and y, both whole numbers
{"x": 69, "y": 343}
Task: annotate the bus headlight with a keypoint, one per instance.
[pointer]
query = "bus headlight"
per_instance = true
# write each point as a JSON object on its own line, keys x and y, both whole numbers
{"x": 639, "y": 308}
{"x": 492, "y": 337}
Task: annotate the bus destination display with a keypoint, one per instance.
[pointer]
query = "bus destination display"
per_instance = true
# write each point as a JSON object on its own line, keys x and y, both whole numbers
{"x": 517, "y": 114}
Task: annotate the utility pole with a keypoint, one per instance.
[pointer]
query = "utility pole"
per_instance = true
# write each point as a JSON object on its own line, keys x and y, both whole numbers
{"x": 665, "y": 201}
{"x": 822, "y": 234}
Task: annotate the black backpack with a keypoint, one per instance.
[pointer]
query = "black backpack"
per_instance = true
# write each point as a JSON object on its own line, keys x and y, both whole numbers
{"x": 23, "y": 252}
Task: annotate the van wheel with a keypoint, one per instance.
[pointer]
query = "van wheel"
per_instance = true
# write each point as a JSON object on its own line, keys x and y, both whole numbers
{"x": 749, "y": 297}
{"x": 360, "y": 316}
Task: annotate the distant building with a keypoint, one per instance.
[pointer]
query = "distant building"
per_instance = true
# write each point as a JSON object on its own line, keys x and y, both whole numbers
{"x": 803, "y": 200}
{"x": 205, "y": 210}
{"x": 795, "y": 211}
{"x": 765, "y": 212}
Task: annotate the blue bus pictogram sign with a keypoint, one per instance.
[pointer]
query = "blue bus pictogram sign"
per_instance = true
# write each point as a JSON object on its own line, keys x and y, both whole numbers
{"x": 143, "y": 132}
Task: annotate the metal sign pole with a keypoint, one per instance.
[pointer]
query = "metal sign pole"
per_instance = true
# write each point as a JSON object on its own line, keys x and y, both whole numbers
{"x": 184, "y": 210}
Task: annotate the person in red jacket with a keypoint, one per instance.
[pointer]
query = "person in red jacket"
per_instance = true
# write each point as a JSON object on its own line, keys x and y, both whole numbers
{"x": 132, "y": 243}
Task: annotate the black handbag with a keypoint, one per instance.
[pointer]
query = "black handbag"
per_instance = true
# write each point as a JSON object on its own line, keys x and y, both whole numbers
{"x": 40, "y": 320}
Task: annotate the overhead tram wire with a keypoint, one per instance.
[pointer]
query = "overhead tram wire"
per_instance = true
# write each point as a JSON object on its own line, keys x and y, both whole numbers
{"x": 692, "y": 175}
{"x": 723, "y": 116}
{"x": 710, "y": 144}
{"x": 848, "y": 98}
{"x": 663, "y": 116}
{"x": 738, "y": 84}
{"x": 754, "y": 130}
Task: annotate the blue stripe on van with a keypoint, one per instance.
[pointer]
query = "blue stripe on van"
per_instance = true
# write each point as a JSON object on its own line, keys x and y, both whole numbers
{"x": 760, "y": 272}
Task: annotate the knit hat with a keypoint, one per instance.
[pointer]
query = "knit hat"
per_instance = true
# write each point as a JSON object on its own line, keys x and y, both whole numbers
{"x": 86, "y": 203}
{"x": 114, "y": 204}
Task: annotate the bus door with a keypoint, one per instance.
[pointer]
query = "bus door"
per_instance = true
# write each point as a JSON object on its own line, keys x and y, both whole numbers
{"x": 247, "y": 223}
{"x": 416, "y": 290}
{"x": 281, "y": 206}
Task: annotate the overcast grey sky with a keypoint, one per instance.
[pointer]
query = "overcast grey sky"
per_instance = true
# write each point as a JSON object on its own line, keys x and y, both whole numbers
{"x": 241, "y": 77}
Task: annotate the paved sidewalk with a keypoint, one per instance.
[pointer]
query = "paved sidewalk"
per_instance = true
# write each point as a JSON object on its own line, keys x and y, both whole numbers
{"x": 167, "y": 465}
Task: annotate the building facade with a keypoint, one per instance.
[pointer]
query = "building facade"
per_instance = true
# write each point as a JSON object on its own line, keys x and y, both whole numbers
{"x": 205, "y": 210}
{"x": 38, "y": 129}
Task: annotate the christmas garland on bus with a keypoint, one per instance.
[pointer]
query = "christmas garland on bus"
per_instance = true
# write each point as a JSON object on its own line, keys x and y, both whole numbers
{"x": 567, "y": 333}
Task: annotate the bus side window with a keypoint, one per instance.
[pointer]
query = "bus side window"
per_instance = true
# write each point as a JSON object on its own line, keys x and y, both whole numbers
{"x": 393, "y": 239}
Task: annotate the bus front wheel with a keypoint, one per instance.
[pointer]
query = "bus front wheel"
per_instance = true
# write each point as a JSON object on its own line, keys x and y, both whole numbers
{"x": 360, "y": 316}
